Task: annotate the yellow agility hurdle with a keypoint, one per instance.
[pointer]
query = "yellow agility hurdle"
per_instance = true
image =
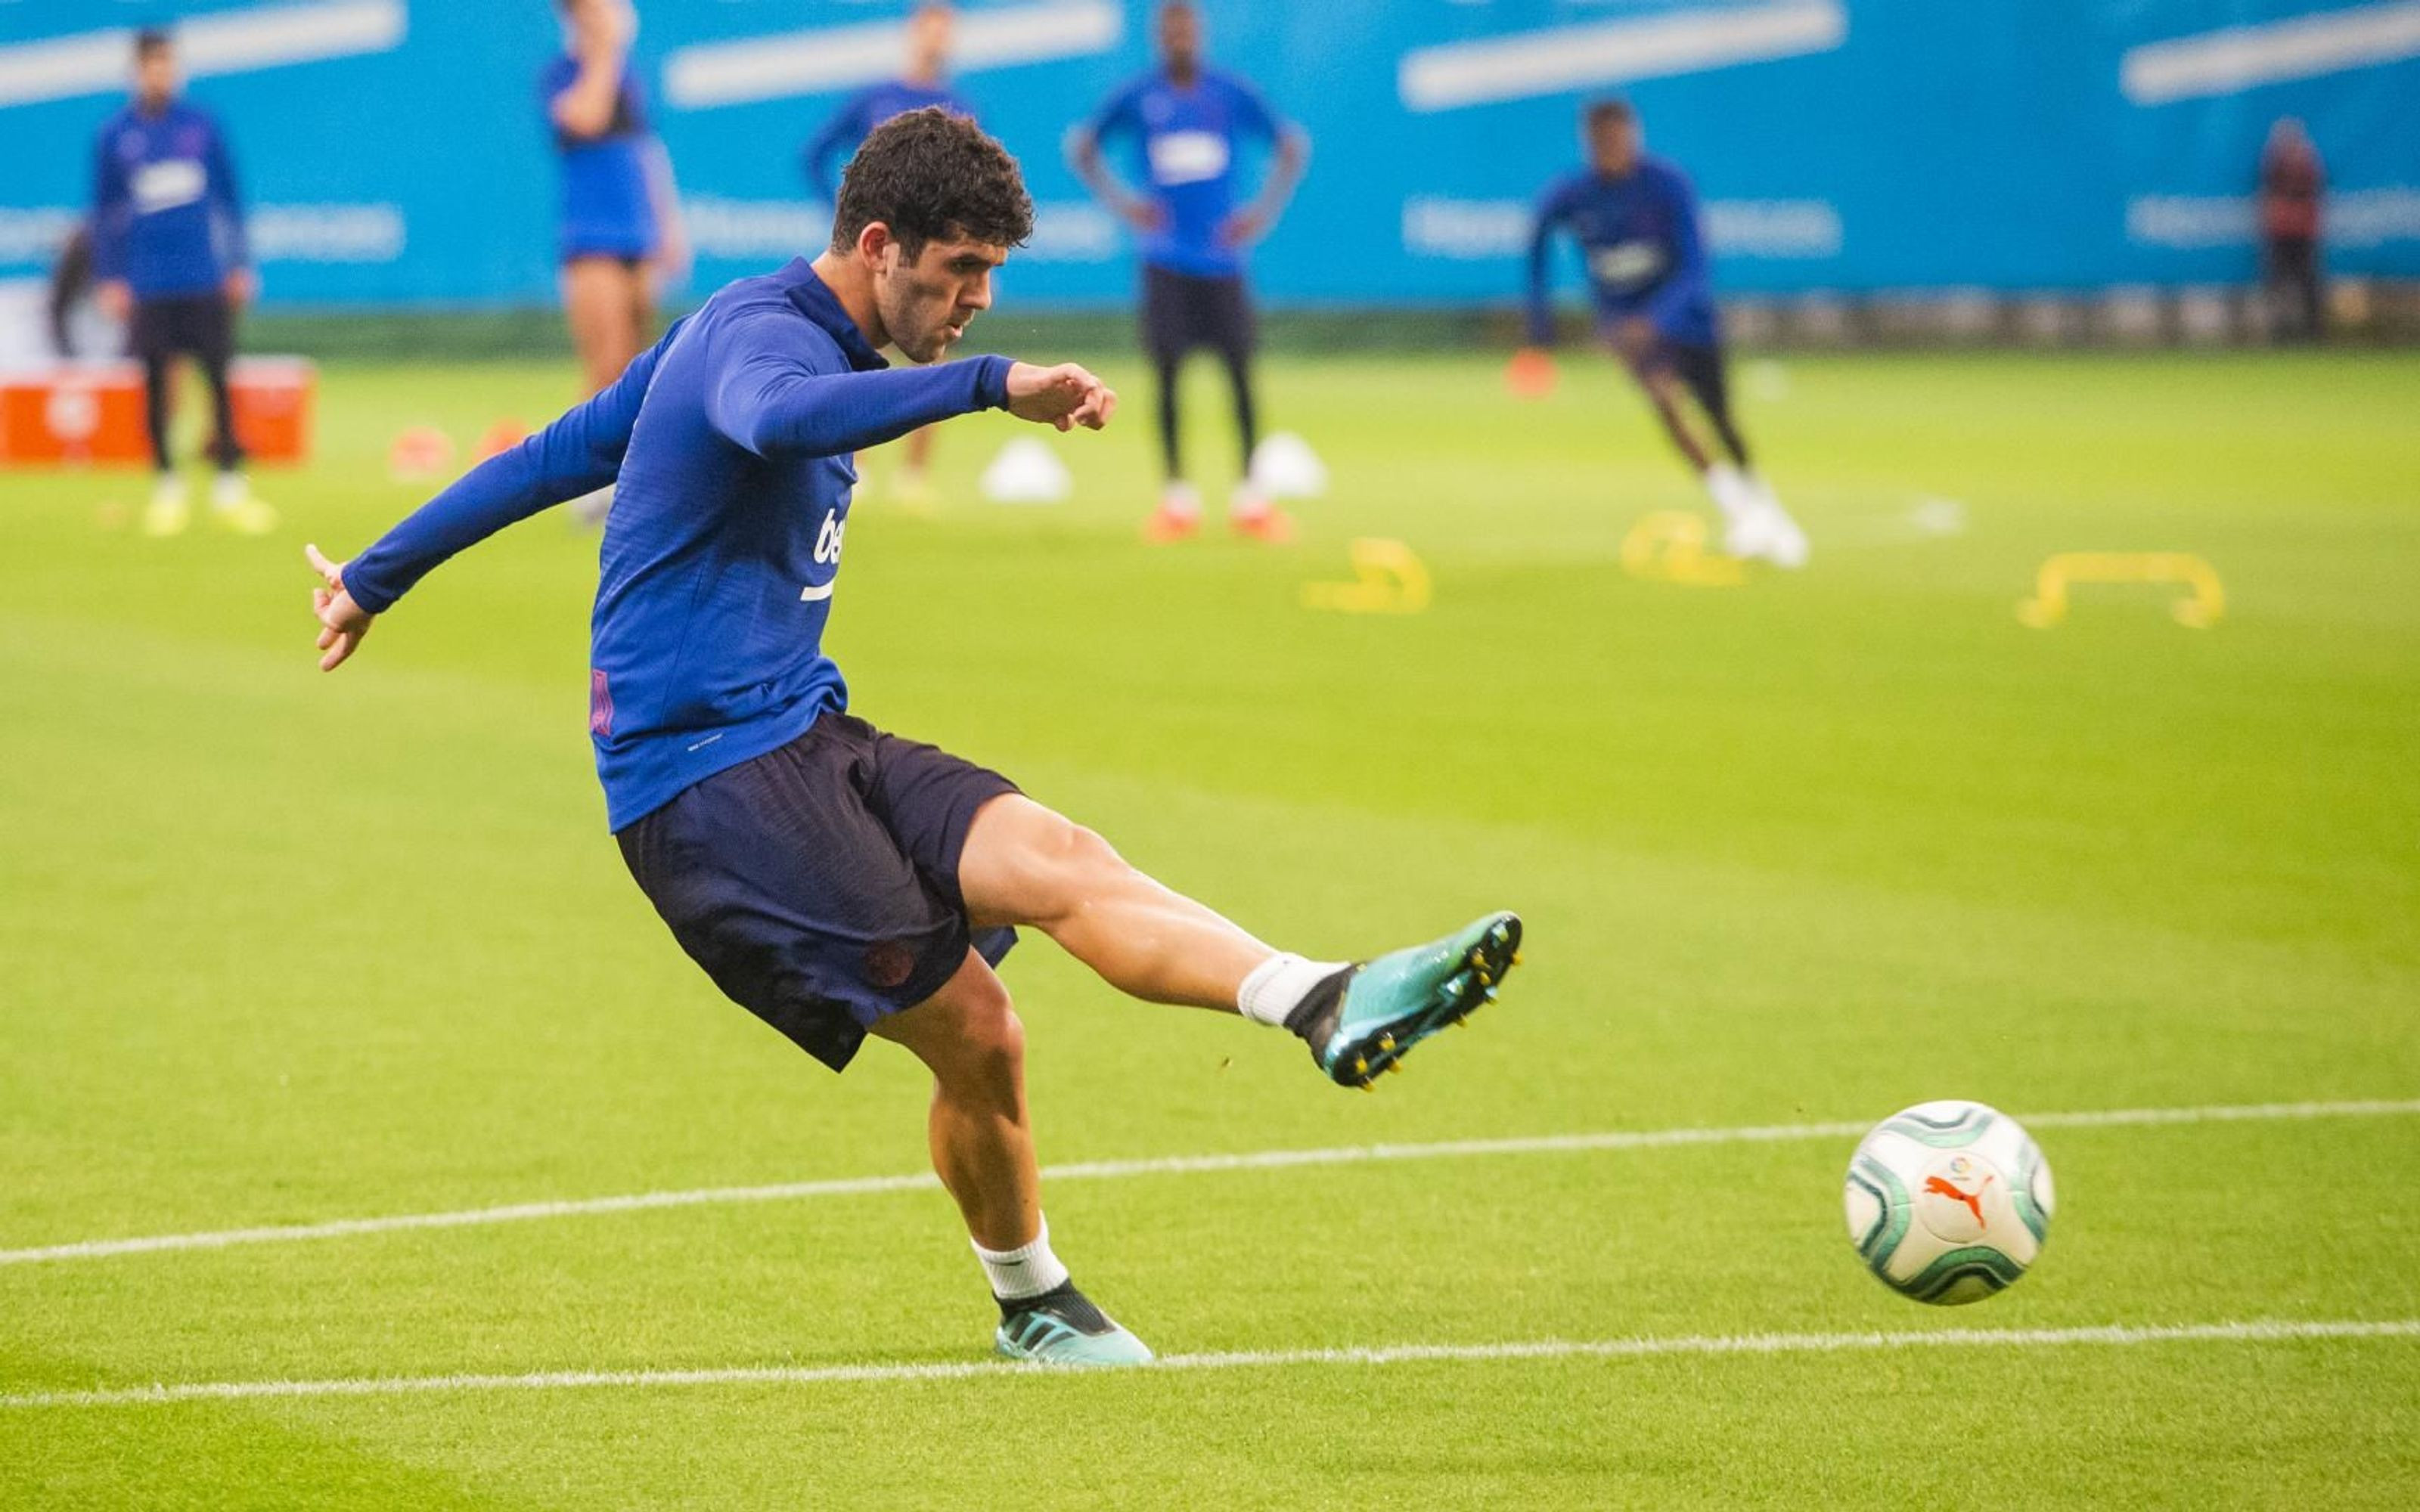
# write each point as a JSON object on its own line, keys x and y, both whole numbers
{"x": 1669, "y": 546}
{"x": 2199, "y": 610}
{"x": 1387, "y": 579}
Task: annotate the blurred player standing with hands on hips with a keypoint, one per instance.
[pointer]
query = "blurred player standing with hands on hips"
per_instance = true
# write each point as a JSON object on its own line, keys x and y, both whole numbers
{"x": 1187, "y": 122}
{"x": 619, "y": 235}
{"x": 170, "y": 258}
{"x": 926, "y": 81}
{"x": 1636, "y": 220}
{"x": 837, "y": 881}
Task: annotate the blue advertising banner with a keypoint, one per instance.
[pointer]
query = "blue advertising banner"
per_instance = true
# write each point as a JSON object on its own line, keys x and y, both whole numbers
{"x": 395, "y": 151}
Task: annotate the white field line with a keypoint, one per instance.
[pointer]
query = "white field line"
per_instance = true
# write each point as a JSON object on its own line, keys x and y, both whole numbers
{"x": 2237, "y": 58}
{"x": 1597, "y": 54}
{"x": 1260, "y": 1160}
{"x": 2253, "y": 1331}
{"x": 231, "y": 41}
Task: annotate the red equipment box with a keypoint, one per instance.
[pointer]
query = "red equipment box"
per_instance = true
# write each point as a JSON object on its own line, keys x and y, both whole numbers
{"x": 92, "y": 415}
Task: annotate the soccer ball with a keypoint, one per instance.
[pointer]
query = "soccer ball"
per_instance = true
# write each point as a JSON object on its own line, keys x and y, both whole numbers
{"x": 1948, "y": 1202}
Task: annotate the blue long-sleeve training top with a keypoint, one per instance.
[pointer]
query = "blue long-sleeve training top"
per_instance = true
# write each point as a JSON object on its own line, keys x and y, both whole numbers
{"x": 729, "y": 445}
{"x": 855, "y": 119}
{"x": 1638, "y": 234}
{"x": 167, "y": 217}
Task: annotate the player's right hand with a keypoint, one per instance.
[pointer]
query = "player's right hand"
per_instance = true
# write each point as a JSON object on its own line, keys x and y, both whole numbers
{"x": 1065, "y": 396}
{"x": 115, "y": 297}
{"x": 342, "y": 621}
{"x": 1530, "y": 374}
{"x": 1143, "y": 215}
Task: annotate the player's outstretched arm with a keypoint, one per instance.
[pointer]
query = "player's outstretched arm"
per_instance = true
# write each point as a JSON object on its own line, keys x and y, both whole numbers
{"x": 580, "y": 453}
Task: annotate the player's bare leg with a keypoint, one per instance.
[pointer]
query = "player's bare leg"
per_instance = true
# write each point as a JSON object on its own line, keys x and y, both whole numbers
{"x": 1023, "y": 865}
{"x": 912, "y": 487}
{"x": 967, "y": 1035}
{"x": 982, "y": 1139}
{"x": 605, "y": 304}
{"x": 599, "y": 304}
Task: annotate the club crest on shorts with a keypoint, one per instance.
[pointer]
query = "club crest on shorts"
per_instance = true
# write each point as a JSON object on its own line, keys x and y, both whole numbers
{"x": 888, "y": 963}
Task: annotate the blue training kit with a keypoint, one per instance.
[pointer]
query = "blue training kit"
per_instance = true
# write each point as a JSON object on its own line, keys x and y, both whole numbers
{"x": 165, "y": 215}
{"x": 1645, "y": 253}
{"x": 607, "y": 209}
{"x": 1187, "y": 139}
{"x": 729, "y": 444}
{"x": 855, "y": 120}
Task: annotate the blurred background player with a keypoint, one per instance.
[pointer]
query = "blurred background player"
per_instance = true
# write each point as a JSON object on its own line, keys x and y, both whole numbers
{"x": 169, "y": 257}
{"x": 1636, "y": 220}
{"x": 620, "y": 239}
{"x": 2292, "y": 179}
{"x": 1186, "y": 122}
{"x": 925, "y": 82}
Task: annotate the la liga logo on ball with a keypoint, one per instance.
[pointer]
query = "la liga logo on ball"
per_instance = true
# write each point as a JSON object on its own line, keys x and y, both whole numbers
{"x": 1948, "y": 1202}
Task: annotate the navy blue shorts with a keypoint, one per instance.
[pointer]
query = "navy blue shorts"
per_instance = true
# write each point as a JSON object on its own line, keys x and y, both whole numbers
{"x": 1182, "y": 311}
{"x": 818, "y": 884}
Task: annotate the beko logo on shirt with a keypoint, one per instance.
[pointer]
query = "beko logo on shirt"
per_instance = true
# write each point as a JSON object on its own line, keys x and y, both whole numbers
{"x": 1187, "y": 157}
{"x": 828, "y": 544}
{"x": 167, "y": 184}
{"x": 1630, "y": 262}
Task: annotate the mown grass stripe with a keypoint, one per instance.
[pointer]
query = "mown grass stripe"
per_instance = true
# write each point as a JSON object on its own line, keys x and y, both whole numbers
{"x": 1161, "y": 1166}
{"x": 2257, "y": 1331}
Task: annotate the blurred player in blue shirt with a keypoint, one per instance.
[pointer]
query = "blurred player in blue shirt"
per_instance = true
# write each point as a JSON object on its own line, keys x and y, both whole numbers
{"x": 836, "y": 880}
{"x": 619, "y": 235}
{"x": 925, "y": 83}
{"x": 170, "y": 258}
{"x": 1636, "y": 220}
{"x": 1187, "y": 125}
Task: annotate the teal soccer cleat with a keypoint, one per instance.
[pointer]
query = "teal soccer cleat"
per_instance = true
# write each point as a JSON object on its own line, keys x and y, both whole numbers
{"x": 1363, "y": 1024}
{"x": 1063, "y": 1327}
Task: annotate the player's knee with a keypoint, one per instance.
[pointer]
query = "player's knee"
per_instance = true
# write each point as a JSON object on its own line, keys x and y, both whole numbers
{"x": 988, "y": 1050}
{"x": 1075, "y": 863}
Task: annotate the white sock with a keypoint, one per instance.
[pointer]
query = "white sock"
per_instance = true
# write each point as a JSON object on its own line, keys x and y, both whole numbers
{"x": 1180, "y": 500}
{"x": 1278, "y": 986}
{"x": 1732, "y": 493}
{"x": 229, "y": 490}
{"x": 1027, "y": 1270}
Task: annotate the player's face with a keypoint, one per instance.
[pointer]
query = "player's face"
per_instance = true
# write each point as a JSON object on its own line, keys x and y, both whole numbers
{"x": 1180, "y": 37}
{"x": 1613, "y": 146}
{"x": 926, "y": 303}
{"x": 155, "y": 77}
{"x": 929, "y": 39}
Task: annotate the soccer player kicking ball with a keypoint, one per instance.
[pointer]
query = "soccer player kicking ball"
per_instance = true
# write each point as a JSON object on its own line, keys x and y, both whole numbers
{"x": 836, "y": 880}
{"x": 1636, "y": 220}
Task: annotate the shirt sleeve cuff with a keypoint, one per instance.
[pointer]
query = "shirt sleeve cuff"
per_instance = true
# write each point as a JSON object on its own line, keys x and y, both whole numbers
{"x": 991, "y": 384}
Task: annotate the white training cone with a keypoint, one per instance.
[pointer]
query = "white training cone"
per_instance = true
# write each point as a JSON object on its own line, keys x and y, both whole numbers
{"x": 1027, "y": 472}
{"x": 1285, "y": 466}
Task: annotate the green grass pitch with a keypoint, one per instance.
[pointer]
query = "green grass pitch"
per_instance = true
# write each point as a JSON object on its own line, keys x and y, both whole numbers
{"x": 282, "y": 948}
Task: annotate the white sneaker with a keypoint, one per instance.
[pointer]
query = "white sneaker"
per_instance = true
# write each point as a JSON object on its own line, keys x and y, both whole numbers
{"x": 1785, "y": 544}
{"x": 1744, "y": 533}
{"x": 170, "y": 511}
{"x": 235, "y": 507}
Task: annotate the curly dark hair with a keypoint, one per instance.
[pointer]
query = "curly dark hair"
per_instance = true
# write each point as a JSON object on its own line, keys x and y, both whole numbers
{"x": 931, "y": 174}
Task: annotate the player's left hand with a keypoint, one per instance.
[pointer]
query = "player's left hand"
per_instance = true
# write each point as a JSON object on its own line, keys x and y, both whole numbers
{"x": 342, "y": 621}
{"x": 1245, "y": 226}
{"x": 1065, "y": 396}
{"x": 239, "y": 286}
